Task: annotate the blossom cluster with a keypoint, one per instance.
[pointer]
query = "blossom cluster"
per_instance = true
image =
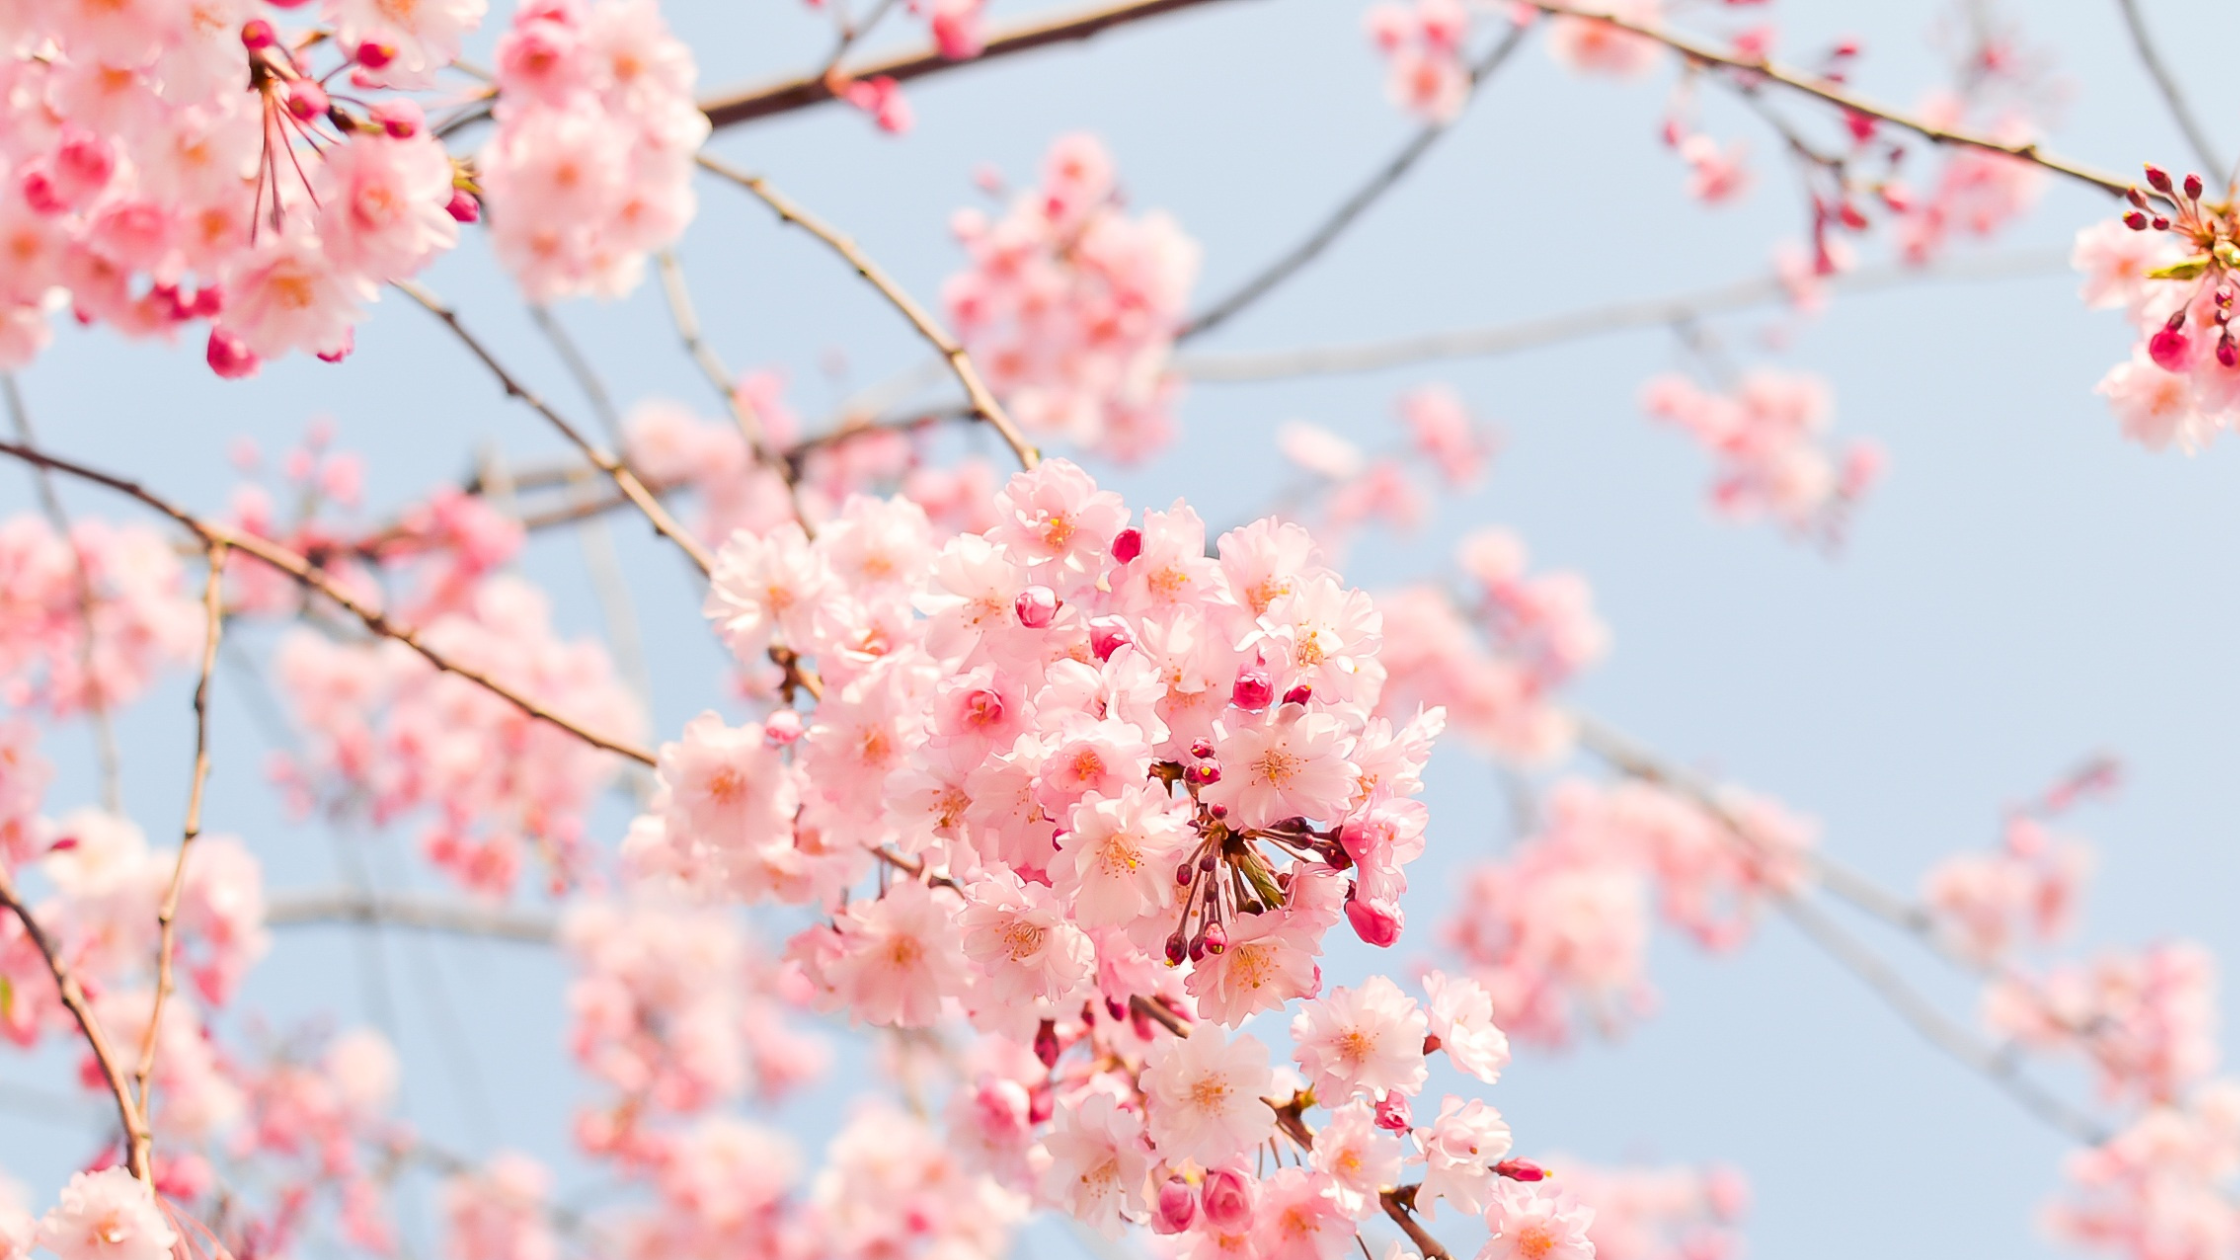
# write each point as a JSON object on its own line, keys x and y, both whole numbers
{"x": 1768, "y": 437}
{"x": 1557, "y": 928}
{"x": 1071, "y": 307}
{"x": 2169, "y": 265}
{"x": 1355, "y": 488}
{"x": 590, "y": 167}
{"x": 90, "y": 620}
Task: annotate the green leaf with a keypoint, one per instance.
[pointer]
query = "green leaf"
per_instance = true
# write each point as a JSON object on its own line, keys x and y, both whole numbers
{"x": 2183, "y": 269}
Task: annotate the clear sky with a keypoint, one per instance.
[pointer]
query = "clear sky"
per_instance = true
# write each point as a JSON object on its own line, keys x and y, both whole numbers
{"x": 2025, "y": 589}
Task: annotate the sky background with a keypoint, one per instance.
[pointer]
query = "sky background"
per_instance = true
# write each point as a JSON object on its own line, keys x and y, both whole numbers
{"x": 2025, "y": 589}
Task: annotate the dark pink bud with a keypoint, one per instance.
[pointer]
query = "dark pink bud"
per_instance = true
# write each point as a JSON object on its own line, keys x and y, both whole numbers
{"x": 229, "y": 357}
{"x": 1178, "y": 1206}
{"x": 1216, "y": 938}
{"x": 258, "y": 35}
{"x": 2161, "y": 224}
{"x": 463, "y": 207}
{"x": 2135, "y": 197}
{"x": 208, "y": 301}
{"x": 1185, "y": 874}
{"x": 782, "y": 728}
{"x": 1229, "y": 1197}
{"x": 2227, "y": 354}
{"x": 2136, "y": 221}
{"x": 64, "y": 845}
{"x": 1127, "y": 545}
{"x": 1037, "y": 607}
{"x": 1217, "y": 812}
{"x": 1299, "y": 694}
{"x": 374, "y": 55}
{"x": 1201, "y": 773}
{"x": 306, "y": 100}
{"x": 2158, "y": 178}
{"x": 2168, "y": 349}
{"x": 40, "y": 193}
{"x": 1520, "y": 1170}
{"x": 1378, "y": 925}
{"x": 1042, "y": 1103}
{"x": 1201, "y": 748}
{"x": 2193, "y": 187}
{"x": 1116, "y": 1009}
{"x": 1046, "y": 1044}
{"x": 1392, "y": 1113}
{"x": 1253, "y": 690}
{"x": 1108, "y": 635}
{"x": 1176, "y": 949}
{"x": 401, "y": 118}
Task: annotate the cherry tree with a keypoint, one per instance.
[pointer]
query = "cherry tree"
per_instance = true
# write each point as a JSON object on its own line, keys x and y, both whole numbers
{"x": 1026, "y": 852}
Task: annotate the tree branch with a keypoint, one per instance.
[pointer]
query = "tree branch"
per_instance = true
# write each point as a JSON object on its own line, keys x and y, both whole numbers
{"x": 167, "y": 917}
{"x": 304, "y": 572}
{"x": 624, "y": 480}
{"x": 406, "y": 910}
{"x": 1594, "y": 321}
{"x": 984, "y": 404}
{"x": 1703, "y": 53}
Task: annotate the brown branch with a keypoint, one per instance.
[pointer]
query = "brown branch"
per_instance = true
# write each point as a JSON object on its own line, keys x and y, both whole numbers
{"x": 167, "y": 917}
{"x": 1158, "y": 1012}
{"x": 1703, "y": 53}
{"x": 624, "y": 480}
{"x": 97, "y": 1040}
{"x": 816, "y": 88}
{"x": 984, "y": 404}
{"x": 1404, "y": 1217}
{"x": 304, "y": 572}
{"x": 1386, "y": 178}
{"x": 428, "y": 914}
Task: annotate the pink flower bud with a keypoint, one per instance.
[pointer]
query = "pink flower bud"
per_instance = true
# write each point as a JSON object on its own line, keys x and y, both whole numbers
{"x": 2193, "y": 186}
{"x": 374, "y": 56}
{"x": 1046, "y": 1044}
{"x": 1201, "y": 748}
{"x": 2158, "y": 177}
{"x": 1177, "y": 950}
{"x": 1520, "y": 1170}
{"x": 1253, "y": 689}
{"x": 2227, "y": 354}
{"x": 1299, "y": 694}
{"x": 1037, "y": 607}
{"x": 1229, "y": 1197}
{"x": 305, "y": 100}
{"x": 2168, "y": 349}
{"x": 1202, "y": 773}
{"x": 782, "y": 728}
{"x": 1127, "y": 545}
{"x": 1186, "y": 874}
{"x": 258, "y": 35}
{"x": 228, "y": 357}
{"x": 1178, "y": 1206}
{"x": 463, "y": 207}
{"x": 2136, "y": 221}
{"x": 401, "y": 118}
{"x": 1378, "y": 925}
{"x": 1392, "y": 1113}
{"x": 1216, "y": 938}
{"x": 1108, "y": 635}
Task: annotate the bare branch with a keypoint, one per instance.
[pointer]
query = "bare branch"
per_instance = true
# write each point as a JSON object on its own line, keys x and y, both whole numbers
{"x": 97, "y": 1040}
{"x": 624, "y": 480}
{"x": 1383, "y": 181}
{"x": 1497, "y": 339}
{"x": 406, "y": 910}
{"x": 984, "y": 404}
{"x": 2166, "y": 82}
{"x": 309, "y": 575}
{"x": 1706, "y": 54}
{"x": 167, "y": 917}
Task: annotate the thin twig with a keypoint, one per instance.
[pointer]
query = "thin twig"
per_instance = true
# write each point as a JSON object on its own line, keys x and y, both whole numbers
{"x": 1595, "y": 321}
{"x": 579, "y": 367}
{"x": 167, "y": 918}
{"x": 97, "y": 1039}
{"x": 1408, "y": 1224}
{"x": 2166, "y": 82}
{"x": 111, "y": 765}
{"x": 1386, "y": 178}
{"x": 1704, "y": 53}
{"x": 304, "y": 572}
{"x": 976, "y": 391}
{"x": 624, "y": 480}
{"x": 686, "y": 316}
